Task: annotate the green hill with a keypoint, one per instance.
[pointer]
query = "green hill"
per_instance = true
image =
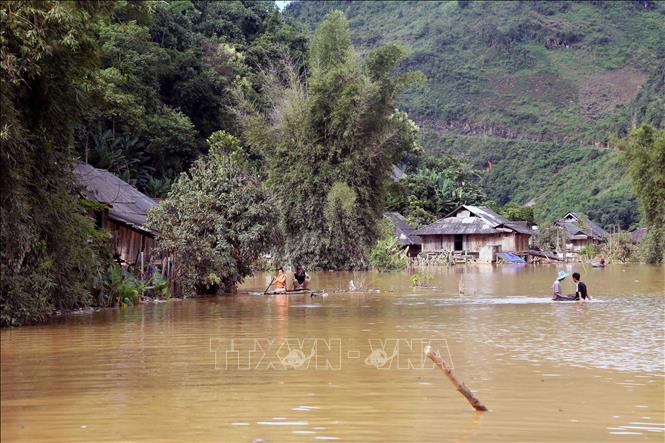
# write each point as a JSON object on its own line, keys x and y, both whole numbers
{"x": 530, "y": 85}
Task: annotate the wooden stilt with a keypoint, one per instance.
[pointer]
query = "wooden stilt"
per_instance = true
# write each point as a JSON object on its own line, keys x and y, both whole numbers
{"x": 461, "y": 387}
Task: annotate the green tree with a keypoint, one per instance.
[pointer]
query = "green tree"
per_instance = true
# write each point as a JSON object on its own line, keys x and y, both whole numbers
{"x": 167, "y": 75}
{"x": 49, "y": 259}
{"x": 330, "y": 145}
{"x": 550, "y": 237}
{"x": 513, "y": 211}
{"x": 387, "y": 254}
{"x": 434, "y": 187}
{"x": 645, "y": 156}
{"x": 217, "y": 220}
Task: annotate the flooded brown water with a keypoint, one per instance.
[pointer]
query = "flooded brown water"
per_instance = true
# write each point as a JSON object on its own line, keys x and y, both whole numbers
{"x": 349, "y": 366}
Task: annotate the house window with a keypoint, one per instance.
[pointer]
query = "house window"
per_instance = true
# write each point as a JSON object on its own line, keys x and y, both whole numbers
{"x": 459, "y": 242}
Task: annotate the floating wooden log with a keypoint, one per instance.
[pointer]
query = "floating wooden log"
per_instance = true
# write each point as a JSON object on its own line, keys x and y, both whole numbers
{"x": 461, "y": 387}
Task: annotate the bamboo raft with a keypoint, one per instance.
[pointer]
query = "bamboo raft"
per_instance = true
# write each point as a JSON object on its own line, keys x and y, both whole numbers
{"x": 294, "y": 292}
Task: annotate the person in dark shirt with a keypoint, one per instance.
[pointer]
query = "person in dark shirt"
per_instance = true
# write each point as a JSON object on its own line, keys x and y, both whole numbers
{"x": 581, "y": 293}
{"x": 300, "y": 279}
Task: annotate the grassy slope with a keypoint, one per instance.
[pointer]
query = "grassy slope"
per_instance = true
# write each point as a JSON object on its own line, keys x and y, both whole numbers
{"x": 492, "y": 77}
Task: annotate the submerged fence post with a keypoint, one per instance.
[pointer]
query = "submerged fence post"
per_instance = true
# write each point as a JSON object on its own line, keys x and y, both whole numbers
{"x": 461, "y": 387}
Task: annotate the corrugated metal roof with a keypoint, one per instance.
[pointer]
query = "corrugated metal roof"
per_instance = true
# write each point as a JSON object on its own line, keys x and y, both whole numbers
{"x": 483, "y": 221}
{"x": 455, "y": 225}
{"x": 402, "y": 229}
{"x": 128, "y": 204}
{"x": 520, "y": 226}
{"x": 589, "y": 228}
{"x": 487, "y": 214}
{"x": 573, "y": 229}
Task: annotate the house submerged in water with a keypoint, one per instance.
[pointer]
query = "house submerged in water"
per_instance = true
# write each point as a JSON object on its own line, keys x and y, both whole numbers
{"x": 403, "y": 233}
{"x": 580, "y": 231}
{"x": 125, "y": 214}
{"x": 470, "y": 230}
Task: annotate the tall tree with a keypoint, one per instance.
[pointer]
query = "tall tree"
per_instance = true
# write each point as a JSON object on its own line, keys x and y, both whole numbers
{"x": 645, "y": 155}
{"x": 47, "y": 260}
{"x": 331, "y": 142}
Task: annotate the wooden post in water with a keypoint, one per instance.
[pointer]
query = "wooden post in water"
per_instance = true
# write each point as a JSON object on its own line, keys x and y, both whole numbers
{"x": 461, "y": 387}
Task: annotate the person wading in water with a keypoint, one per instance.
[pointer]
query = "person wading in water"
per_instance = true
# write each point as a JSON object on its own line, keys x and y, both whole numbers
{"x": 581, "y": 293}
{"x": 556, "y": 288}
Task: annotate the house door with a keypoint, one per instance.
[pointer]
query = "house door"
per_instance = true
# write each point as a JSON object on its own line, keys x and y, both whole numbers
{"x": 459, "y": 242}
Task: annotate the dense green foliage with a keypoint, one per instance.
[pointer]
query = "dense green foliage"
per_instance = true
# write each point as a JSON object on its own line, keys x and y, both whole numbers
{"x": 302, "y": 139}
{"x": 552, "y": 70}
{"x": 168, "y": 70}
{"x": 516, "y": 212}
{"x": 217, "y": 219}
{"x": 50, "y": 257}
{"x": 432, "y": 188}
{"x": 645, "y": 156}
{"x": 330, "y": 143}
{"x": 527, "y": 80}
{"x": 387, "y": 254}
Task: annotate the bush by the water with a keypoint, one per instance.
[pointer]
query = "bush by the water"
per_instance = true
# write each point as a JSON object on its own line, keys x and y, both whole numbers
{"x": 217, "y": 219}
{"x": 388, "y": 254}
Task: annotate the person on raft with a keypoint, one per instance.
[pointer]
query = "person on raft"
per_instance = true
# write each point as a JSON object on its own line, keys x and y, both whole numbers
{"x": 556, "y": 288}
{"x": 581, "y": 293}
{"x": 281, "y": 280}
{"x": 300, "y": 279}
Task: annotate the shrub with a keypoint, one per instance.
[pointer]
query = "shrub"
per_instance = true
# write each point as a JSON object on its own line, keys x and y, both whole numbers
{"x": 589, "y": 251}
{"x": 620, "y": 248}
{"x": 388, "y": 254}
{"x": 217, "y": 220}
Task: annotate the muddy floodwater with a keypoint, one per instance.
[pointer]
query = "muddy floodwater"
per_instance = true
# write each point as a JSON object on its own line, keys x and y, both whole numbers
{"x": 349, "y": 366}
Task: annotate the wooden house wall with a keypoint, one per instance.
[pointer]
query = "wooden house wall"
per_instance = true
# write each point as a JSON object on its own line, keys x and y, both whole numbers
{"x": 474, "y": 242}
{"x": 129, "y": 243}
{"x": 580, "y": 243}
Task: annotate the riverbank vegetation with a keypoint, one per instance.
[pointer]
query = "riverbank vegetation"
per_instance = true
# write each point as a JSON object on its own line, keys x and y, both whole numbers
{"x": 217, "y": 220}
{"x": 268, "y": 141}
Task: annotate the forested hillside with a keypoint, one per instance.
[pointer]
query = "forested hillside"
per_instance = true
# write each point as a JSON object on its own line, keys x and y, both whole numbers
{"x": 166, "y": 81}
{"x": 526, "y": 84}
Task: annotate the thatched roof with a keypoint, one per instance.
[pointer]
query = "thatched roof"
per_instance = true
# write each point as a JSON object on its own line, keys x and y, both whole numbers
{"x": 402, "y": 229}
{"x": 127, "y": 204}
{"x": 469, "y": 219}
{"x": 577, "y": 226}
